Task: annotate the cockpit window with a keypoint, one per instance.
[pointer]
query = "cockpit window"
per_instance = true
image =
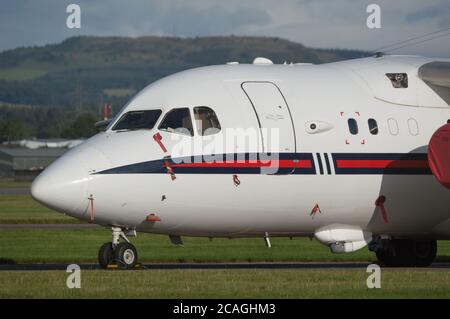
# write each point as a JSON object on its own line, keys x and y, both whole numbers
{"x": 136, "y": 120}
{"x": 206, "y": 121}
{"x": 177, "y": 121}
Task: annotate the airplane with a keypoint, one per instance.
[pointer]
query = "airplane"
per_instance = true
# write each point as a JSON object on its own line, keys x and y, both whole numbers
{"x": 352, "y": 153}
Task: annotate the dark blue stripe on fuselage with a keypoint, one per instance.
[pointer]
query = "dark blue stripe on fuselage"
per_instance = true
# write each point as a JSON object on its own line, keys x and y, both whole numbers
{"x": 383, "y": 171}
{"x": 327, "y": 161}
{"x": 319, "y": 161}
{"x": 379, "y": 156}
{"x": 157, "y": 166}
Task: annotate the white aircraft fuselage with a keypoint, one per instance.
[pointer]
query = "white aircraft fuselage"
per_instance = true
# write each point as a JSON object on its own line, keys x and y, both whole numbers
{"x": 326, "y": 178}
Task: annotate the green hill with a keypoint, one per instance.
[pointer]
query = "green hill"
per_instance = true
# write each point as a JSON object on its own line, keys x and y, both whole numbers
{"x": 84, "y": 72}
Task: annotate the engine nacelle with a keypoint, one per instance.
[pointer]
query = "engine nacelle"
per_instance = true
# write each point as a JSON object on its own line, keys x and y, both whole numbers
{"x": 439, "y": 155}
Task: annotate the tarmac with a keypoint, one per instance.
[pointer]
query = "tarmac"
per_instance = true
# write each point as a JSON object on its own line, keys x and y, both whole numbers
{"x": 238, "y": 265}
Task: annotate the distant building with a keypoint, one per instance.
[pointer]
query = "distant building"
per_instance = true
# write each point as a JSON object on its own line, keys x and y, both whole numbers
{"x": 47, "y": 143}
{"x": 24, "y": 164}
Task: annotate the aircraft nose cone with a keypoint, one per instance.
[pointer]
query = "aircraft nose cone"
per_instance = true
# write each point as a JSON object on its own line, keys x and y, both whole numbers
{"x": 62, "y": 186}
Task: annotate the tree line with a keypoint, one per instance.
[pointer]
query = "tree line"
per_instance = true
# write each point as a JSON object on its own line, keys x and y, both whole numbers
{"x": 18, "y": 123}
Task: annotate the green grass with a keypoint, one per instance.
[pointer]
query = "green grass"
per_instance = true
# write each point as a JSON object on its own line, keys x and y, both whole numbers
{"x": 226, "y": 284}
{"x": 21, "y": 74}
{"x": 49, "y": 246}
{"x": 40, "y": 245}
{"x": 22, "y": 209}
{"x": 78, "y": 246}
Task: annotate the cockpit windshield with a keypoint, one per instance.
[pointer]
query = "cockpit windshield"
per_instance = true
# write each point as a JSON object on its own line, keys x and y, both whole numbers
{"x": 136, "y": 120}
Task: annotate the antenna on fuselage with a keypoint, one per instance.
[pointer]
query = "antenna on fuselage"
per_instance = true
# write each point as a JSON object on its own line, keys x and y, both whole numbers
{"x": 412, "y": 41}
{"x": 379, "y": 54}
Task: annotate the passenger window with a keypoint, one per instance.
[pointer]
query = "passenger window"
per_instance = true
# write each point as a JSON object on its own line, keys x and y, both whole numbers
{"x": 373, "y": 126}
{"x": 413, "y": 127}
{"x": 177, "y": 121}
{"x": 136, "y": 120}
{"x": 353, "y": 126}
{"x": 206, "y": 121}
{"x": 393, "y": 126}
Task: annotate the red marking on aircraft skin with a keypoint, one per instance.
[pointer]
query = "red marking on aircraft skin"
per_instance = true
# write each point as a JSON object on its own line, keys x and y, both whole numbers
{"x": 363, "y": 142}
{"x": 315, "y": 210}
{"x": 347, "y": 142}
{"x": 380, "y": 203}
{"x": 169, "y": 170}
{"x": 236, "y": 180}
{"x": 157, "y": 137}
{"x": 342, "y": 113}
{"x": 382, "y": 164}
{"x": 153, "y": 218}
{"x": 357, "y": 113}
{"x": 251, "y": 164}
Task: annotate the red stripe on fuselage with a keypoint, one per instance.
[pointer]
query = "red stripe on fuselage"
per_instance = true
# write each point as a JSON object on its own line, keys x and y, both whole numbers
{"x": 250, "y": 164}
{"x": 382, "y": 164}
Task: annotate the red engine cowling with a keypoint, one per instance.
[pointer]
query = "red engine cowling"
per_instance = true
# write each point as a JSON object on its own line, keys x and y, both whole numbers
{"x": 439, "y": 155}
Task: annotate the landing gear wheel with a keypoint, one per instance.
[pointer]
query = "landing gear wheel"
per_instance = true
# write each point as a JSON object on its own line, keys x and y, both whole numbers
{"x": 408, "y": 253}
{"x": 423, "y": 252}
{"x": 105, "y": 255}
{"x": 385, "y": 258}
{"x": 125, "y": 255}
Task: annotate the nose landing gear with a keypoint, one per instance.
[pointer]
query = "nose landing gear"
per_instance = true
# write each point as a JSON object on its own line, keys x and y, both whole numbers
{"x": 124, "y": 254}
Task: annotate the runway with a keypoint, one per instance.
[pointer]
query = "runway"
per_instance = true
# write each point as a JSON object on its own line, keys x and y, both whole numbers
{"x": 180, "y": 266}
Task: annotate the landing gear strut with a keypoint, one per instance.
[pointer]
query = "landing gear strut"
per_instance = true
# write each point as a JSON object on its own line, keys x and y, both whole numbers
{"x": 124, "y": 254}
{"x": 405, "y": 253}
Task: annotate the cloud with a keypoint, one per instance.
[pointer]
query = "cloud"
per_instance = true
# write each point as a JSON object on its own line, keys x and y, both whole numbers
{"x": 170, "y": 17}
{"x": 37, "y": 22}
{"x": 439, "y": 13}
{"x": 317, "y": 23}
{"x": 342, "y": 24}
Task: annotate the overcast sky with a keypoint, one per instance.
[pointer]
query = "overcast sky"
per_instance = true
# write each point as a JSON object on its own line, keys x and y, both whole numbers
{"x": 315, "y": 23}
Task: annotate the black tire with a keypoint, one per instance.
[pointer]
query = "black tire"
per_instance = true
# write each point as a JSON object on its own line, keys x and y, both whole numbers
{"x": 385, "y": 258}
{"x": 386, "y": 253}
{"x": 105, "y": 255}
{"x": 125, "y": 255}
{"x": 424, "y": 252}
{"x": 408, "y": 253}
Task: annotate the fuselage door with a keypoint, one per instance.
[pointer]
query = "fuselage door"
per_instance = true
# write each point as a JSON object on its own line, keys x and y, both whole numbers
{"x": 274, "y": 117}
